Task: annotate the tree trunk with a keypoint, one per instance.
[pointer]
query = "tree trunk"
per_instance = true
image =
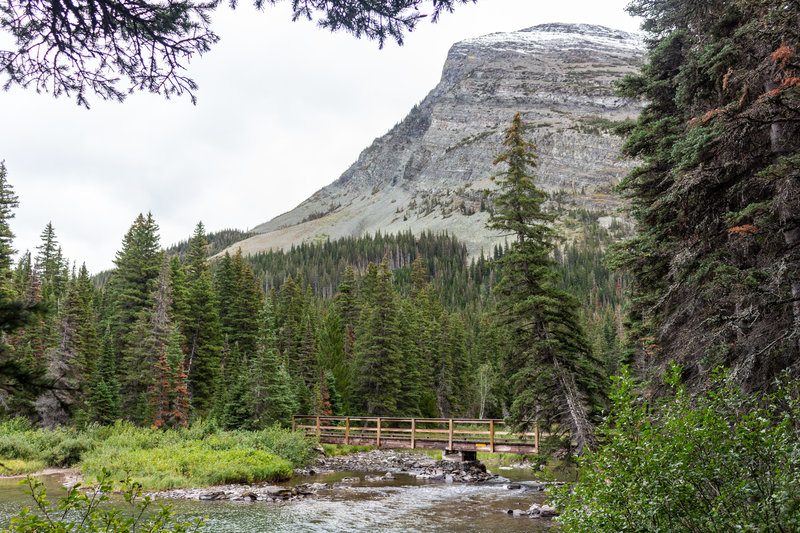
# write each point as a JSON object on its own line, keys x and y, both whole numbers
{"x": 581, "y": 425}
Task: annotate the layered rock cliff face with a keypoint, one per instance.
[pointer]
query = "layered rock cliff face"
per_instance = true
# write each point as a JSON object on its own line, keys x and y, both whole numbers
{"x": 430, "y": 171}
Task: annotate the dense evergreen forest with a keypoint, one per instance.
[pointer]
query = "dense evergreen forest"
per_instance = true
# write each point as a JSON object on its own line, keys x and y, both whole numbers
{"x": 379, "y": 325}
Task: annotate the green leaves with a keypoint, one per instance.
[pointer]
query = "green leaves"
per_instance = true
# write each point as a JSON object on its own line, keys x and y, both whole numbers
{"x": 722, "y": 460}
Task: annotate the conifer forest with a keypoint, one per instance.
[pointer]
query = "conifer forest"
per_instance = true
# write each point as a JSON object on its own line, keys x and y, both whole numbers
{"x": 380, "y": 325}
{"x": 657, "y": 347}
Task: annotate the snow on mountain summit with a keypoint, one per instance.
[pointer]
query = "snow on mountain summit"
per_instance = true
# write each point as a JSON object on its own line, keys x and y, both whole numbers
{"x": 558, "y": 36}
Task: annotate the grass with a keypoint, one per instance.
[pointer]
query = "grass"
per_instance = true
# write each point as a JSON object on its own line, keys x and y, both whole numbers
{"x": 201, "y": 455}
{"x": 503, "y": 458}
{"x": 13, "y": 467}
{"x": 187, "y": 464}
{"x": 335, "y": 450}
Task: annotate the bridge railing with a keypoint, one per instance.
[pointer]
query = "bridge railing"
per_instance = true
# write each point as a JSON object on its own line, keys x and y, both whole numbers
{"x": 490, "y": 435}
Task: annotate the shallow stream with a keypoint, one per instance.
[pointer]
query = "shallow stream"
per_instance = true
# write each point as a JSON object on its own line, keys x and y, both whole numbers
{"x": 403, "y": 504}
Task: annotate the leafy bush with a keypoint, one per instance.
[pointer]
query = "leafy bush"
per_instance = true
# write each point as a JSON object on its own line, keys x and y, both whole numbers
{"x": 68, "y": 451}
{"x": 13, "y": 467}
{"x": 17, "y": 446}
{"x": 719, "y": 461}
{"x": 58, "y": 448}
{"x": 292, "y": 446}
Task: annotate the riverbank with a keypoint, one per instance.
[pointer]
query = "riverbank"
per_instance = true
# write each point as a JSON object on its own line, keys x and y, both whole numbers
{"x": 157, "y": 459}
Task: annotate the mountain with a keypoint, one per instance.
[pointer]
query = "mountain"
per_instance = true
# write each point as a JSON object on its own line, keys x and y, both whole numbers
{"x": 430, "y": 171}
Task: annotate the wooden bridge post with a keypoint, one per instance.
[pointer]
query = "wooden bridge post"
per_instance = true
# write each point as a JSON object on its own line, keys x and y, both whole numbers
{"x": 491, "y": 435}
{"x": 347, "y": 431}
{"x": 413, "y": 433}
{"x": 379, "y": 433}
{"x": 294, "y": 427}
{"x": 450, "y": 439}
{"x": 536, "y": 437}
{"x": 317, "y": 427}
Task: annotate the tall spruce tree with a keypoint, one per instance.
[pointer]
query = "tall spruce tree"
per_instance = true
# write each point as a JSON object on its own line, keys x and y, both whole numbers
{"x": 133, "y": 282}
{"x": 149, "y": 337}
{"x": 716, "y": 259}
{"x": 378, "y": 361}
{"x": 202, "y": 328}
{"x": 8, "y": 202}
{"x": 550, "y": 366}
{"x": 104, "y": 399}
{"x": 273, "y": 400}
{"x": 19, "y": 379}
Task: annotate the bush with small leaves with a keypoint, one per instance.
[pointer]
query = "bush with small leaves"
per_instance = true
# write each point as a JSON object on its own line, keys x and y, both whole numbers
{"x": 720, "y": 460}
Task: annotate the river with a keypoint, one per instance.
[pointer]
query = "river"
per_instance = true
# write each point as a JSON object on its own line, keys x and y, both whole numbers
{"x": 404, "y": 504}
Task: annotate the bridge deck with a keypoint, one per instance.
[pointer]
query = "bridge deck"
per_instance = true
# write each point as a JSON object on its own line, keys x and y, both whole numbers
{"x": 419, "y": 433}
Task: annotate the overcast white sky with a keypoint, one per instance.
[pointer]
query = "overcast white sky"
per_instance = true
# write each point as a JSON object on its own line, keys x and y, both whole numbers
{"x": 283, "y": 109}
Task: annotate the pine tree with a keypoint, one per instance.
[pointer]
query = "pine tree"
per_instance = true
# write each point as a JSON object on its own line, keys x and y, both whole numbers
{"x": 240, "y": 300}
{"x": 273, "y": 399}
{"x": 202, "y": 329}
{"x": 19, "y": 379}
{"x": 322, "y": 399}
{"x": 78, "y": 341}
{"x": 149, "y": 337}
{"x": 47, "y": 257}
{"x": 290, "y": 322}
{"x": 716, "y": 259}
{"x": 169, "y": 392}
{"x": 378, "y": 362}
{"x": 551, "y": 368}
{"x": 8, "y": 202}
{"x": 133, "y": 282}
{"x": 104, "y": 400}
{"x": 412, "y": 396}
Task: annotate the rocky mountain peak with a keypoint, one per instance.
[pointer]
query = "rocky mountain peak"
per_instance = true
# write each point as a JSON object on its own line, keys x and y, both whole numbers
{"x": 430, "y": 171}
{"x": 555, "y": 36}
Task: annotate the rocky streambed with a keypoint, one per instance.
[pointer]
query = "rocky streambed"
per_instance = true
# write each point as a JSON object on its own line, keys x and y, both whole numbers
{"x": 376, "y": 470}
{"x": 419, "y": 466}
{"x": 375, "y": 466}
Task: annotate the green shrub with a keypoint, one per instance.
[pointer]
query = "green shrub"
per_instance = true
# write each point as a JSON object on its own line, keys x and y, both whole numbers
{"x": 292, "y": 446}
{"x": 68, "y": 451}
{"x": 18, "y": 446}
{"x": 335, "y": 450}
{"x": 722, "y": 460}
{"x": 15, "y": 425}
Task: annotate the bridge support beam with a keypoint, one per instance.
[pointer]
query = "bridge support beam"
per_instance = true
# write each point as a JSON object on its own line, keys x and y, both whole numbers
{"x": 459, "y": 455}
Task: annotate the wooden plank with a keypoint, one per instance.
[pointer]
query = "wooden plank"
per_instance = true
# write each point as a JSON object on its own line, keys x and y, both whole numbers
{"x": 499, "y": 436}
{"x": 450, "y": 440}
{"x": 347, "y": 431}
{"x": 317, "y": 426}
{"x": 413, "y": 433}
{"x": 523, "y": 449}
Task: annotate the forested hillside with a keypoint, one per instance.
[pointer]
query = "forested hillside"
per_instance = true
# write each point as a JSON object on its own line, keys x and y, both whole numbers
{"x": 382, "y": 325}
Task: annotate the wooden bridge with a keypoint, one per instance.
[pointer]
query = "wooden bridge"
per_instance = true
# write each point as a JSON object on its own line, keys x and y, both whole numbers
{"x": 449, "y": 434}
